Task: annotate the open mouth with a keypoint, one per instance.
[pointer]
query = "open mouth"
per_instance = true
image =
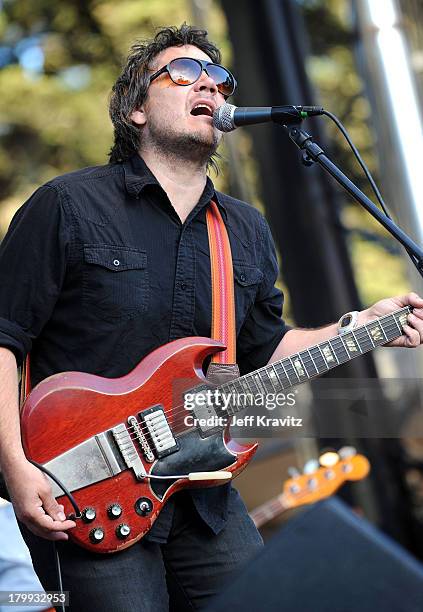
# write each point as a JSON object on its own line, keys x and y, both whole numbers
{"x": 202, "y": 109}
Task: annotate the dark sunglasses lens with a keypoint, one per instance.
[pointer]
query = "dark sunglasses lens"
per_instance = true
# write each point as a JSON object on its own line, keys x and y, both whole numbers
{"x": 223, "y": 79}
{"x": 184, "y": 71}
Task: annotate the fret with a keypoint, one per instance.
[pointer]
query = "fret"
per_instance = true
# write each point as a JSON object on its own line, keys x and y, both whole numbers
{"x": 399, "y": 319}
{"x": 236, "y": 385}
{"x": 244, "y": 385}
{"x": 370, "y": 336}
{"x": 259, "y": 383}
{"x": 249, "y": 401}
{"x": 241, "y": 398}
{"x": 237, "y": 390}
{"x": 298, "y": 364}
{"x": 252, "y": 388}
{"x": 230, "y": 409}
{"x": 398, "y": 325}
{"x": 252, "y": 384}
{"x": 358, "y": 344}
{"x": 403, "y": 318}
{"x": 327, "y": 353}
{"x": 323, "y": 357}
{"x": 377, "y": 332}
{"x": 273, "y": 375}
{"x": 318, "y": 359}
{"x": 350, "y": 343}
{"x": 362, "y": 339}
{"x": 286, "y": 373}
{"x": 265, "y": 379}
{"x": 230, "y": 385}
{"x": 391, "y": 327}
{"x": 334, "y": 352}
{"x": 289, "y": 362}
{"x": 307, "y": 368}
{"x": 312, "y": 361}
{"x": 282, "y": 375}
{"x": 341, "y": 349}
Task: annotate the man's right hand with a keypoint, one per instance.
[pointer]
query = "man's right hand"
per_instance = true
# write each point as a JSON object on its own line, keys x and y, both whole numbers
{"x": 34, "y": 504}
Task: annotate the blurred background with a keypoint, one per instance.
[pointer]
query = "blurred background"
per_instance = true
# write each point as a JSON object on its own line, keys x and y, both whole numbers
{"x": 363, "y": 61}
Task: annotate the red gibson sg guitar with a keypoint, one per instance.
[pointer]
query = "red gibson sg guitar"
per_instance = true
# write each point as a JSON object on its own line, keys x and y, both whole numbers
{"x": 122, "y": 446}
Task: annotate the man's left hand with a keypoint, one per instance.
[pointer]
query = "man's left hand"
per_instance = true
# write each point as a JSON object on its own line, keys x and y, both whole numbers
{"x": 413, "y": 331}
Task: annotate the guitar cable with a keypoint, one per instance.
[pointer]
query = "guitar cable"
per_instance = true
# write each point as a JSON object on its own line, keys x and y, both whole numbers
{"x": 369, "y": 177}
{"x": 77, "y": 515}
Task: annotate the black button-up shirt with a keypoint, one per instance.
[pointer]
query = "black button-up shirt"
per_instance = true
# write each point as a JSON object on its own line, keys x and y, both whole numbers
{"x": 97, "y": 270}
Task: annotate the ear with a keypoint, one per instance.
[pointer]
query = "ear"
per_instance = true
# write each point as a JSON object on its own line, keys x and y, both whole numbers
{"x": 138, "y": 116}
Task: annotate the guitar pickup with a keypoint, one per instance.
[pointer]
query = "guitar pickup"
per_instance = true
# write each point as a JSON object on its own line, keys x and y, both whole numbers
{"x": 161, "y": 437}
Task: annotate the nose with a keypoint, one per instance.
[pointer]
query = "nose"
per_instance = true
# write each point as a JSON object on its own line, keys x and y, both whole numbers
{"x": 205, "y": 83}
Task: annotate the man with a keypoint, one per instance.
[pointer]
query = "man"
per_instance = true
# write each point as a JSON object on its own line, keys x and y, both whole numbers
{"x": 112, "y": 262}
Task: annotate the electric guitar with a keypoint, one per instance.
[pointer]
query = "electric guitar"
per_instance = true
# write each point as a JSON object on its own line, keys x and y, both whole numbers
{"x": 309, "y": 488}
{"x": 123, "y": 446}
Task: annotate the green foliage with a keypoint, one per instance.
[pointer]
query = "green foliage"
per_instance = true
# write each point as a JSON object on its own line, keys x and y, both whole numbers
{"x": 56, "y": 120}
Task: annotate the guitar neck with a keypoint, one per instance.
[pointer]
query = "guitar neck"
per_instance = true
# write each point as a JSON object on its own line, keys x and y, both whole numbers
{"x": 268, "y": 511}
{"x": 316, "y": 360}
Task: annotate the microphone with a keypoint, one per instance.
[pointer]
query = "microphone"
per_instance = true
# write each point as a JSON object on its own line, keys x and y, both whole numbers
{"x": 228, "y": 117}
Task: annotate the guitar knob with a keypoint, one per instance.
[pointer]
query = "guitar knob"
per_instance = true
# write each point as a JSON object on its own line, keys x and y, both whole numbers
{"x": 311, "y": 466}
{"x": 123, "y": 531}
{"x": 114, "y": 511}
{"x": 312, "y": 483}
{"x": 347, "y": 451}
{"x": 96, "y": 535}
{"x": 143, "y": 506}
{"x": 328, "y": 459}
{"x": 88, "y": 515}
{"x": 293, "y": 472}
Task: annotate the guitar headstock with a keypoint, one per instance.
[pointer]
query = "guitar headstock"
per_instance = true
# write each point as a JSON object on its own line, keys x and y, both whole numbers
{"x": 325, "y": 480}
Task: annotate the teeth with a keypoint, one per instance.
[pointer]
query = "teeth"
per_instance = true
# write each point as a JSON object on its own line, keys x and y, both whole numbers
{"x": 203, "y": 106}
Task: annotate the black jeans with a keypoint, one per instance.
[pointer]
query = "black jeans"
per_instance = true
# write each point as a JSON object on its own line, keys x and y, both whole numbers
{"x": 183, "y": 574}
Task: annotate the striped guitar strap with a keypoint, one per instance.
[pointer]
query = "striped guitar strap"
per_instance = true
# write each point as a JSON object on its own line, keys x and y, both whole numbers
{"x": 223, "y": 366}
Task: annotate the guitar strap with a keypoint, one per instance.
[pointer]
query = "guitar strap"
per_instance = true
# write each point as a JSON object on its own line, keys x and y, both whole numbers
{"x": 25, "y": 381}
{"x": 223, "y": 366}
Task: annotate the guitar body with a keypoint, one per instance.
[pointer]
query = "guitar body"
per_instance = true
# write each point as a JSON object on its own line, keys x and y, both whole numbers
{"x": 67, "y": 409}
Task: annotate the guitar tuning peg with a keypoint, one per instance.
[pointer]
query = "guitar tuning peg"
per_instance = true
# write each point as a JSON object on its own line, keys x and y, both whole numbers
{"x": 347, "y": 451}
{"x": 293, "y": 472}
{"x": 329, "y": 459}
{"x": 311, "y": 466}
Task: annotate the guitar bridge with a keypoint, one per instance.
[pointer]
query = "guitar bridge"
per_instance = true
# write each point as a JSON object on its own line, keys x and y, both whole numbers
{"x": 160, "y": 434}
{"x": 128, "y": 451}
{"x": 135, "y": 426}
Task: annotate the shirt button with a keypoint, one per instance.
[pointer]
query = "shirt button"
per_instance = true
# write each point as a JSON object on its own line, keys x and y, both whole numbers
{"x": 242, "y": 278}
{"x": 183, "y": 286}
{"x": 116, "y": 262}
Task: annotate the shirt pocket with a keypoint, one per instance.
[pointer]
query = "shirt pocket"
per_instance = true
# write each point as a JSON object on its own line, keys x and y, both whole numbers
{"x": 247, "y": 279}
{"x": 115, "y": 281}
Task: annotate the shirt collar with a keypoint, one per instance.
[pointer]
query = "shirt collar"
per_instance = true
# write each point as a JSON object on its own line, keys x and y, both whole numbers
{"x": 138, "y": 175}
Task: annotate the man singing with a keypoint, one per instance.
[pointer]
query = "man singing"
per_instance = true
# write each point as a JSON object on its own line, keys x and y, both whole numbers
{"x": 103, "y": 265}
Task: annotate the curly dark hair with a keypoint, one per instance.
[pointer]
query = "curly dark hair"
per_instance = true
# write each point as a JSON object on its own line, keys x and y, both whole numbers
{"x": 130, "y": 89}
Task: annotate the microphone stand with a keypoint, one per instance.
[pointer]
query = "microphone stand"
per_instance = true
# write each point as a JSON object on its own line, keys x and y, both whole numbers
{"x": 313, "y": 153}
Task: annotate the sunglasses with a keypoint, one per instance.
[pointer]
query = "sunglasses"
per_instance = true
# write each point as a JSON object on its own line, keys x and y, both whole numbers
{"x": 187, "y": 70}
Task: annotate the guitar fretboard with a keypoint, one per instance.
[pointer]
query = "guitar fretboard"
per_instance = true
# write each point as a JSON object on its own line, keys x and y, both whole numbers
{"x": 268, "y": 511}
{"x": 314, "y": 361}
